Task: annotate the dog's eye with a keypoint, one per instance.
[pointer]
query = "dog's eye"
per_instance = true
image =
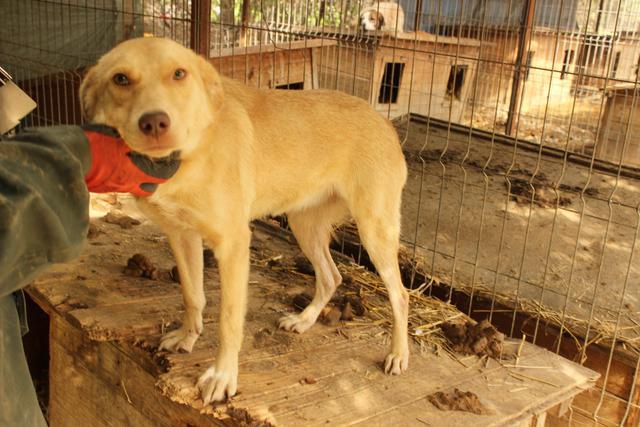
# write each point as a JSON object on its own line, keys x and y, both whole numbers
{"x": 179, "y": 74}
{"x": 121, "y": 79}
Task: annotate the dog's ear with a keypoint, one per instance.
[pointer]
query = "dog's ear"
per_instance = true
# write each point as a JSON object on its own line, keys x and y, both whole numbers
{"x": 88, "y": 94}
{"x": 212, "y": 83}
{"x": 380, "y": 21}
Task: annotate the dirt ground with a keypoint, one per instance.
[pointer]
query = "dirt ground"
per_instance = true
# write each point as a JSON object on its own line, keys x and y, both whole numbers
{"x": 559, "y": 124}
{"x": 468, "y": 210}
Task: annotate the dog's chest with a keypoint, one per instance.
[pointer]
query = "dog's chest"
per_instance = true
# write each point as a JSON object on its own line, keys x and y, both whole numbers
{"x": 172, "y": 210}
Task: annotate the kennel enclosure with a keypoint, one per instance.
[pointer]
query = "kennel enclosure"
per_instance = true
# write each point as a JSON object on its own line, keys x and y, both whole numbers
{"x": 518, "y": 120}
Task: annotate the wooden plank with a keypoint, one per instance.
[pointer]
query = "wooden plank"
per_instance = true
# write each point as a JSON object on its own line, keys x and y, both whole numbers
{"x": 634, "y": 412}
{"x": 348, "y": 377}
{"x": 344, "y": 361}
{"x": 98, "y": 384}
{"x": 271, "y": 47}
{"x": 77, "y": 397}
{"x": 622, "y": 372}
{"x": 268, "y": 70}
{"x": 610, "y": 412}
{"x": 387, "y": 39}
{"x": 424, "y": 37}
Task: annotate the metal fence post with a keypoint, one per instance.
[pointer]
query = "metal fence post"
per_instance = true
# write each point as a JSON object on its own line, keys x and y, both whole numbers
{"x": 200, "y": 17}
{"x": 520, "y": 67}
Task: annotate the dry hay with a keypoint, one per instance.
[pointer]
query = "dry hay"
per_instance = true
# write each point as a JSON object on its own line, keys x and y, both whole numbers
{"x": 368, "y": 301}
{"x": 601, "y": 331}
{"x": 426, "y": 314}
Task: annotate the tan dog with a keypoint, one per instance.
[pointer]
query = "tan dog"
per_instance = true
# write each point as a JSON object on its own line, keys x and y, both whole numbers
{"x": 317, "y": 156}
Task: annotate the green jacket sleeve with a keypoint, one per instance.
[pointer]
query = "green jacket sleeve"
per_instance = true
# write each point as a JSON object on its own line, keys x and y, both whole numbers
{"x": 44, "y": 203}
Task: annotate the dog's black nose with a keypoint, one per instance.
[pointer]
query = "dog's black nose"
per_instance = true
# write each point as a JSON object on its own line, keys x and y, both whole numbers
{"x": 155, "y": 123}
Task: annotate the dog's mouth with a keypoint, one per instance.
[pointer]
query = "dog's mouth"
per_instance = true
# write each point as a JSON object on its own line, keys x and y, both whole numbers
{"x": 151, "y": 146}
{"x": 159, "y": 150}
{"x": 164, "y": 161}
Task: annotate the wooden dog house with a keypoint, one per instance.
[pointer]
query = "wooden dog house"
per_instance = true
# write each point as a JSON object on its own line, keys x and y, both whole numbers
{"x": 620, "y": 125}
{"x": 414, "y": 72}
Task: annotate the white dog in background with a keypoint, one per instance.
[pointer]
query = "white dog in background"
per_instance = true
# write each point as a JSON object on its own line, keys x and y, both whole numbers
{"x": 382, "y": 16}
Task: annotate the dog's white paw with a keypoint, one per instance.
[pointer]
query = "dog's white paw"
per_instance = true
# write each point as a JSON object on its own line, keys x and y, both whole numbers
{"x": 396, "y": 363}
{"x": 296, "y": 323}
{"x": 180, "y": 340}
{"x": 217, "y": 385}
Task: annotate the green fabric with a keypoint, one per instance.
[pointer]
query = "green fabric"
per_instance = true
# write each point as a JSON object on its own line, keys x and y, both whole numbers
{"x": 44, "y": 217}
{"x": 18, "y": 401}
{"x": 44, "y": 203}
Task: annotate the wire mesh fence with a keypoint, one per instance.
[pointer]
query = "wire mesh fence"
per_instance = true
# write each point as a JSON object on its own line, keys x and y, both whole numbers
{"x": 519, "y": 120}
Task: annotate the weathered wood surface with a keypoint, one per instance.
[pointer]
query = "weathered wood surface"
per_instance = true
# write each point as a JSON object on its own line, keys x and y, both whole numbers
{"x": 98, "y": 383}
{"x": 270, "y": 47}
{"x": 116, "y": 321}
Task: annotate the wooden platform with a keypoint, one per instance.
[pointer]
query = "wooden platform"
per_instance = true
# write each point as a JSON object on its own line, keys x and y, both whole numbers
{"x": 104, "y": 369}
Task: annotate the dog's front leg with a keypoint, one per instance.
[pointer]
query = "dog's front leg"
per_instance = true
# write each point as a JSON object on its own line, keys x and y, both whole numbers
{"x": 232, "y": 253}
{"x": 187, "y": 250}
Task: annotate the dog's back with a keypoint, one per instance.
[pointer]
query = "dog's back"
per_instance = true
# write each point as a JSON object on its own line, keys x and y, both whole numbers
{"x": 335, "y": 143}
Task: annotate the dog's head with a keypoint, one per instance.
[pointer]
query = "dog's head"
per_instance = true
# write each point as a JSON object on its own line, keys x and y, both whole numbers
{"x": 371, "y": 20}
{"x": 158, "y": 94}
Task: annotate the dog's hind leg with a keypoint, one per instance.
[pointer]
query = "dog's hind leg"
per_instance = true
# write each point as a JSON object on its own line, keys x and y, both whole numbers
{"x": 187, "y": 250}
{"x": 312, "y": 227}
{"x": 378, "y": 219}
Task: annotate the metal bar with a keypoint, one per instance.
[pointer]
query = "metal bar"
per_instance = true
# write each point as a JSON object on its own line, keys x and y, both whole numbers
{"x": 485, "y": 177}
{"x": 417, "y": 21}
{"x": 246, "y": 11}
{"x": 533, "y": 194}
{"x": 200, "y": 18}
{"x": 464, "y": 171}
{"x": 520, "y": 67}
{"x": 563, "y": 173}
{"x": 424, "y": 147}
{"x": 599, "y": 16}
